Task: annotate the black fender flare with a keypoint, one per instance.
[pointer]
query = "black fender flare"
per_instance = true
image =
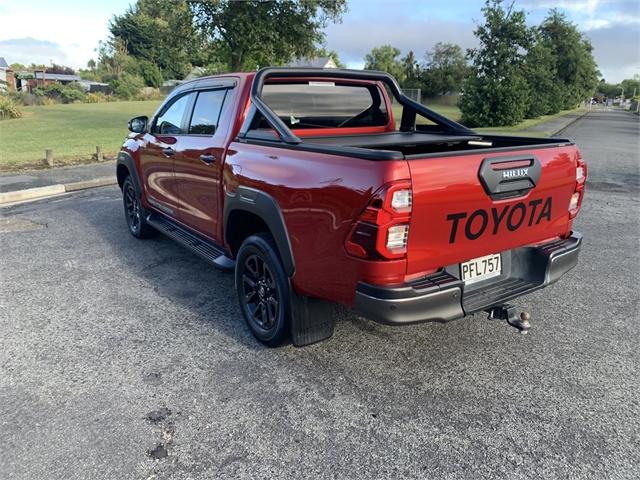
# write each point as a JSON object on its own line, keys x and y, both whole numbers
{"x": 124, "y": 158}
{"x": 266, "y": 207}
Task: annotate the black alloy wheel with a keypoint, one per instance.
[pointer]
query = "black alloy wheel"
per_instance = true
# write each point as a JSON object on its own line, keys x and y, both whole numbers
{"x": 132, "y": 208}
{"x": 263, "y": 289}
{"x": 260, "y": 292}
{"x": 134, "y": 211}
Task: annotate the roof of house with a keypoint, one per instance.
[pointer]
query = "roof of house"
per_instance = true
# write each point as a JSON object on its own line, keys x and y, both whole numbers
{"x": 91, "y": 82}
{"x": 3, "y": 63}
{"x": 57, "y": 76}
{"x": 314, "y": 62}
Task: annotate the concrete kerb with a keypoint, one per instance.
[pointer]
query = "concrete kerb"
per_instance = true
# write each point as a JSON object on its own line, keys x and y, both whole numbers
{"x": 574, "y": 120}
{"x": 50, "y": 190}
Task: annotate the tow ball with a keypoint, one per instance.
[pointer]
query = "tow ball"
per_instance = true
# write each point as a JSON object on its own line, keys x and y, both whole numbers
{"x": 510, "y": 314}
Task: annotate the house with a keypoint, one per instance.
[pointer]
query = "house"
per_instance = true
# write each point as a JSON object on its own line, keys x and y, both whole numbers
{"x": 7, "y": 81}
{"x": 90, "y": 86}
{"x": 314, "y": 62}
{"x": 43, "y": 78}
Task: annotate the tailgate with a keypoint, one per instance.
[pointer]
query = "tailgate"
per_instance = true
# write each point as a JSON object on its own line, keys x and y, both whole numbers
{"x": 471, "y": 205}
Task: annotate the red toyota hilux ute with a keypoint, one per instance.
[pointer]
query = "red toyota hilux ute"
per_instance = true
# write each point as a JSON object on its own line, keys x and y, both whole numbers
{"x": 323, "y": 187}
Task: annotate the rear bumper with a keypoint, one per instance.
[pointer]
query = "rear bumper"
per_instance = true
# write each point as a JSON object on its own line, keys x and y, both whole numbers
{"x": 442, "y": 297}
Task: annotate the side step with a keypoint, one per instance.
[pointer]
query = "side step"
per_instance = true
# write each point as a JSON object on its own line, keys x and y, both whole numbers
{"x": 206, "y": 249}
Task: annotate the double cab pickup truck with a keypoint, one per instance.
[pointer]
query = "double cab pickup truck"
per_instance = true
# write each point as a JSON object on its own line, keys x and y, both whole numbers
{"x": 320, "y": 187}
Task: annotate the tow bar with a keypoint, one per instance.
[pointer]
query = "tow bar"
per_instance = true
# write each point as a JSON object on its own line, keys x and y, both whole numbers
{"x": 510, "y": 314}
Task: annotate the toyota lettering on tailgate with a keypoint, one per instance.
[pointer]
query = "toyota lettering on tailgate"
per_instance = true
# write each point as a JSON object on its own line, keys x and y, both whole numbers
{"x": 511, "y": 217}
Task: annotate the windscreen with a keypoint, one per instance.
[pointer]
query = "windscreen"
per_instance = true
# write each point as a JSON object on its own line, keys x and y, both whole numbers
{"x": 326, "y": 105}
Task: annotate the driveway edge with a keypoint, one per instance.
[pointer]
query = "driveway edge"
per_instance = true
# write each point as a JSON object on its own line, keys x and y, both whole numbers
{"x": 558, "y": 131}
{"x": 50, "y": 190}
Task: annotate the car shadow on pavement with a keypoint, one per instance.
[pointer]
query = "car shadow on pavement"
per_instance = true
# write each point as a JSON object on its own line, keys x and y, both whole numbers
{"x": 175, "y": 275}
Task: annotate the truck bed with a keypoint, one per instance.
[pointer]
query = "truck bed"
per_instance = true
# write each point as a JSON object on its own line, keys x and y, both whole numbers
{"x": 406, "y": 145}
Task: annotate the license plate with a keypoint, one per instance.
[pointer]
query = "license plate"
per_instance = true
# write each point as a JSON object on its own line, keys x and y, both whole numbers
{"x": 481, "y": 268}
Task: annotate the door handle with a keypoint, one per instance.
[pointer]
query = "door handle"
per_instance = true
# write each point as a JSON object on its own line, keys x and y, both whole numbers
{"x": 168, "y": 151}
{"x": 208, "y": 159}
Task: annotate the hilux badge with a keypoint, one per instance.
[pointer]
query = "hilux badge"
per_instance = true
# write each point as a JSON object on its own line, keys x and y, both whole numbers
{"x": 519, "y": 172}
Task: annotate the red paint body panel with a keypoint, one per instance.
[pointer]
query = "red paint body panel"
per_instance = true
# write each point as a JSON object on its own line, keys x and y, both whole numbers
{"x": 447, "y": 185}
{"x": 320, "y": 196}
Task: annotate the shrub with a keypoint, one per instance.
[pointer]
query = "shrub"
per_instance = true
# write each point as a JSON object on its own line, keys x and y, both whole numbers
{"x": 73, "y": 93}
{"x": 150, "y": 93}
{"x": 70, "y": 93}
{"x": 97, "y": 97}
{"x": 9, "y": 108}
{"x": 24, "y": 98}
{"x": 127, "y": 86}
{"x": 150, "y": 73}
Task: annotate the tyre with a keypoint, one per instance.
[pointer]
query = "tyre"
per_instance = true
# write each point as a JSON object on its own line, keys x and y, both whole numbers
{"x": 134, "y": 211}
{"x": 263, "y": 290}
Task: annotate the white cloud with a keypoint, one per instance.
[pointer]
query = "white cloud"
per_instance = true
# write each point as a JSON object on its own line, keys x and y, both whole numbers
{"x": 30, "y": 50}
{"x": 66, "y": 37}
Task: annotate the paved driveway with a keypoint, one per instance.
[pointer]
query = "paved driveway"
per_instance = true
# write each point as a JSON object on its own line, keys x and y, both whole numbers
{"x": 129, "y": 359}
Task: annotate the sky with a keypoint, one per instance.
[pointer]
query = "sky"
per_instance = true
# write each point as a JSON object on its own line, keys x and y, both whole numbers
{"x": 68, "y": 31}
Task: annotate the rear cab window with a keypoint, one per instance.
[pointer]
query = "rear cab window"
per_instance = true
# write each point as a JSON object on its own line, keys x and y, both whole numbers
{"x": 206, "y": 112}
{"x": 317, "y": 105}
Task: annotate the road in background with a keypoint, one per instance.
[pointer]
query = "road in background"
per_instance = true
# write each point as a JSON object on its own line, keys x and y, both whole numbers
{"x": 114, "y": 351}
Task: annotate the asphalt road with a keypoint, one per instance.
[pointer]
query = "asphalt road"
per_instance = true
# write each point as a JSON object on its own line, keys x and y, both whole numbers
{"x": 114, "y": 351}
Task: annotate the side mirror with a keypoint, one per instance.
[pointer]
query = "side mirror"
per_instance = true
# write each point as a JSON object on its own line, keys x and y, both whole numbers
{"x": 138, "y": 124}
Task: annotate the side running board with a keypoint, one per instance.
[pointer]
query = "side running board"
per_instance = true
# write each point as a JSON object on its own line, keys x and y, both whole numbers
{"x": 206, "y": 249}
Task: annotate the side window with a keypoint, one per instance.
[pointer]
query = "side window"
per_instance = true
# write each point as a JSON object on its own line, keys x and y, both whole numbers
{"x": 206, "y": 112}
{"x": 170, "y": 121}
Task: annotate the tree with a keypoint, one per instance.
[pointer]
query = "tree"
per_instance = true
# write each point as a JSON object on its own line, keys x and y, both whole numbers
{"x": 631, "y": 86}
{"x": 385, "y": 59}
{"x": 60, "y": 69}
{"x": 496, "y": 92}
{"x": 411, "y": 71}
{"x": 444, "y": 70}
{"x": 113, "y": 59}
{"x": 249, "y": 34}
{"x": 575, "y": 66}
{"x": 545, "y": 91}
{"x": 609, "y": 90}
{"x": 162, "y": 33}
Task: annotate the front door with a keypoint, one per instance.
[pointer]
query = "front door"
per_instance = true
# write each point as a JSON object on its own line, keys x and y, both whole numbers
{"x": 157, "y": 156}
{"x": 198, "y": 164}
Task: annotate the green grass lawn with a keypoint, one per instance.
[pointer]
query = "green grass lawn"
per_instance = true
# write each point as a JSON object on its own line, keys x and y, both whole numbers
{"x": 73, "y": 131}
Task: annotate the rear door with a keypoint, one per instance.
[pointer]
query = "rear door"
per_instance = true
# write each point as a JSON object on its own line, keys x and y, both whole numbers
{"x": 157, "y": 156}
{"x": 471, "y": 205}
{"x": 198, "y": 163}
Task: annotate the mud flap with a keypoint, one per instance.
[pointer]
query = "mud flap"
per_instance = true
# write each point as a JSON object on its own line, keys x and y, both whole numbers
{"x": 312, "y": 320}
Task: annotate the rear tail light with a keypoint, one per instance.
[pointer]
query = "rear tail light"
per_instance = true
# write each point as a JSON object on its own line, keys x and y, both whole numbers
{"x": 578, "y": 194}
{"x": 382, "y": 231}
{"x": 402, "y": 200}
{"x": 397, "y": 237}
{"x": 575, "y": 200}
